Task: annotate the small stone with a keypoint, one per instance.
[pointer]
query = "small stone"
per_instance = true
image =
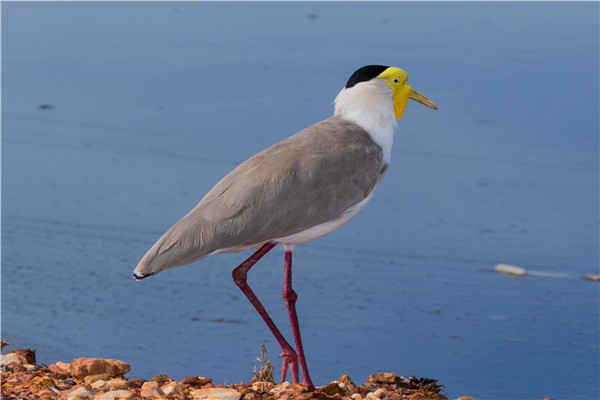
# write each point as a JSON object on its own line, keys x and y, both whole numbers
{"x": 99, "y": 385}
{"x": 64, "y": 366}
{"x": 114, "y": 395}
{"x": 215, "y": 394}
{"x": 314, "y": 396}
{"x": 380, "y": 393}
{"x": 21, "y": 378}
{"x": 32, "y": 367}
{"x": 332, "y": 389}
{"x": 172, "y": 387}
{"x": 151, "y": 390}
{"x": 82, "y": 367}
{"x": 135, "y": 383}
{"x": 161, "y": 378}
{"x": 384, "y": 378}
{"x": 45, "y": 391}
{"x": 356, "y": 396}
{"x": 472, "y": 398}
{"x": 117, "y": 384}
{"x": 195, "y": 381}
{"x": 396, "y": 396}
{"x": 371, "y": 396}
{"x": 262, "y": 387}
{"x": 280, "y": 389}
{"x": 28, "y": 354}
{"x": 345, "y": 381}
{"x": 252, "y": 395}
{"x": 593, "y": 278}
{"x": 298, "y": 387}
{"x": 80, "y": 393}
{"x": 93, "y": 378}
{"x": 11, "y": 358}
{"x": 41, "y": 381}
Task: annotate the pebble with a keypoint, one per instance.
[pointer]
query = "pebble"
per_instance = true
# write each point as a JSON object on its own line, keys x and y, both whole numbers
{"x": 6, "y": 359}
{"x": 99, "y": 385}
{"x": 215, "y": 394}
{"x": 114, "y": 395}
{"x": 384, "y": 378}
{"x": 93, "y": 378}
{"x": 81, "y": 367}
{"x": 80, "y": 394}
{"x": 151, "y": 390}
{"x": 262, "y": 387}
{"x": 593, "y": 278}
{"x": 172, "y": 388}
{"x": 332, "y": 389}
{"x": 117, "y": 384}
{"x": 195, "y": 381}
{"x": 28, "y": 354}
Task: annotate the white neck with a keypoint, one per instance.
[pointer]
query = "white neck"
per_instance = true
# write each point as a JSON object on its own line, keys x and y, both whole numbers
{"x": 371, "y": 106}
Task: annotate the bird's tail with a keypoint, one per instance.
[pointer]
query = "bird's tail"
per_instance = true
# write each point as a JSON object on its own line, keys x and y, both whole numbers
{"x": 153, "y": 262}
{"x": 182, "y": 244}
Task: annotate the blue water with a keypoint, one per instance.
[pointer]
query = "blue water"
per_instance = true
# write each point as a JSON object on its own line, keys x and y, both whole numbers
{"x": 145, "y": 106}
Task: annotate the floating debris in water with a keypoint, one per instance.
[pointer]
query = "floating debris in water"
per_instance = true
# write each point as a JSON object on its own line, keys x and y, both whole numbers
{"x": 510, "y": 270}
{"x": 594, "y": 278}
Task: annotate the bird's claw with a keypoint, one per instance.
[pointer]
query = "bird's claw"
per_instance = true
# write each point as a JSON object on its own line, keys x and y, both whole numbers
{"x": 289, "y": 358}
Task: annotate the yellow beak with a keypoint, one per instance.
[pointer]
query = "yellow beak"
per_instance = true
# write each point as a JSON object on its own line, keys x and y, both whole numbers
{"x": 403, "y": 93}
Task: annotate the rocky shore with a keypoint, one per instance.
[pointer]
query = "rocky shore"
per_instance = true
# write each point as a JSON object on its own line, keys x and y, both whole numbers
{"x": 103, "y": 379}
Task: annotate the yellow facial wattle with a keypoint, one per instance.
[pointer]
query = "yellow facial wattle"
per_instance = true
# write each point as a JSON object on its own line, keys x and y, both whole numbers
{"x": 398, "y": 80}
{"x": 401, "y": 96}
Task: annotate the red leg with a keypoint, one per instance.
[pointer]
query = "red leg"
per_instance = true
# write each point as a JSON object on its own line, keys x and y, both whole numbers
{"x": 290, "y": 297}
{"x": 239, "y": 277}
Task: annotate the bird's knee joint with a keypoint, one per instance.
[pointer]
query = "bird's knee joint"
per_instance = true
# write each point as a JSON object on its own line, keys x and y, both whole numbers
{"x": 239, "y": 277}
{"x": 290, "y": 296}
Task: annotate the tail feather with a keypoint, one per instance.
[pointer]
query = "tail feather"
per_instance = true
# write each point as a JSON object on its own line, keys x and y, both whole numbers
{"x": 140, "y": 277}
{"x": 185, "y": 242}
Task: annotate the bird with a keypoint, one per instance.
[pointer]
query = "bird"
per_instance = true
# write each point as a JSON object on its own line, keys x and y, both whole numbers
{"x": 297, "y": 190}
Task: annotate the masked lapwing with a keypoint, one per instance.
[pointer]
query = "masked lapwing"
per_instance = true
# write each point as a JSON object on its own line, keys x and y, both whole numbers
{"x": 297, "y": 190}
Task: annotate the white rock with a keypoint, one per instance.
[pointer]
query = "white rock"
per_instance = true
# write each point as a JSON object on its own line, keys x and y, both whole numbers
{"x": 371, "y": 396}
{"x": 99, "y": 385}
{"x": 215, "y": 394}
{"x": 80, "y": 394}
{"x": 280, "y": 389}
{"x": 115, "y": 395}
{"x": 173, "y": 387}
{"x": 12, "y": 358}
{"x": 510, "y": 270}
{"x": 262, "y": 387}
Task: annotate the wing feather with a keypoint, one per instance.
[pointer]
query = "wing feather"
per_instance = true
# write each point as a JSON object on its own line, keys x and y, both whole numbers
{"x": 305, "y": 180}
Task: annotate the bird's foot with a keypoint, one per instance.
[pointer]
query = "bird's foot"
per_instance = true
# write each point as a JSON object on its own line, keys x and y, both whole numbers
{"x": 290, "y": 358}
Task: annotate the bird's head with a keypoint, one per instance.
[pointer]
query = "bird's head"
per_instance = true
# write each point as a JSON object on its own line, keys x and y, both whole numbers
{"x": 373, "y": 83}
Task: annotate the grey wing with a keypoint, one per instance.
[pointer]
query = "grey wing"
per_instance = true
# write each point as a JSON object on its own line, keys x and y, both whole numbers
{"x": 308, "y": 179}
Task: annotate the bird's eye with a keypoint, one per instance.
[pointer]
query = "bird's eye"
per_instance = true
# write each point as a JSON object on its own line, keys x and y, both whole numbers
{"x": 395, "y": 81}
